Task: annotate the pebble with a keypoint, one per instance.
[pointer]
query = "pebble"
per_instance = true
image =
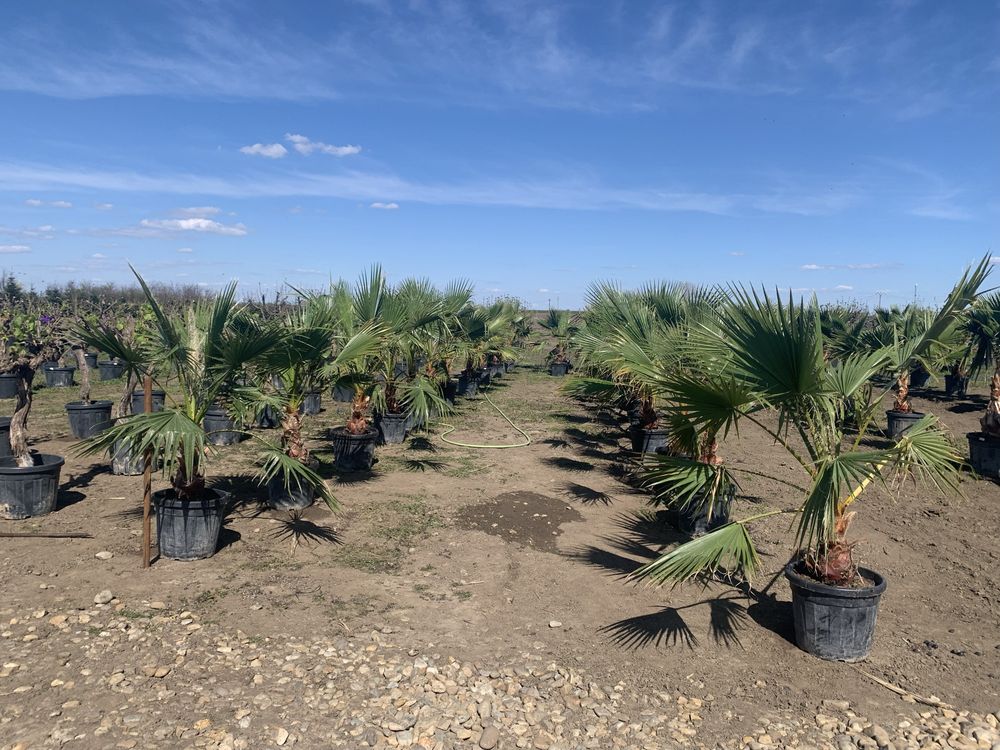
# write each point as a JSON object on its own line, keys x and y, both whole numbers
{"x": 103, "y": 597}
{"x": 555, "y": 624}
{"x": 104, "y": 555}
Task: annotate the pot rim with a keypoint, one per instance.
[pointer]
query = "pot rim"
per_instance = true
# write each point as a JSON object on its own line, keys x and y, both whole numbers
{"x": 982, "y": 436}
{"x": 169, "y": 493}
{"x": 81, "y": 406}
{"x": 906, "y": 414}
{"x": 341, "y": 432}
{"x": 58, "y": 369}
{"x": 49, "y": 461}
{"x": 817, "y": 587}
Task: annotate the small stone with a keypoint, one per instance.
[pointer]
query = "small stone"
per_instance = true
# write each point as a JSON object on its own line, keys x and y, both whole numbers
{"x": 157, "y": 605}
{"x": 489, "y": 738}
{"x": 104, "y": 555}
{"x": 280, "y": 736}
{"x": 555, "y": 624}
{"x": 104, "y": 597}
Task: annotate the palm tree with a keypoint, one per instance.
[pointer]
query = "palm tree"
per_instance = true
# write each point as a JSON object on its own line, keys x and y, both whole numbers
{"x": 981, "y": 326}
{"x": 561, "y": 325}
{"x": 764, "y": 368}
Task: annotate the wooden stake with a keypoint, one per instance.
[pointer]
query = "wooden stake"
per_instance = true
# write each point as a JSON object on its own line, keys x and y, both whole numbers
{"x": 147, "y": 476}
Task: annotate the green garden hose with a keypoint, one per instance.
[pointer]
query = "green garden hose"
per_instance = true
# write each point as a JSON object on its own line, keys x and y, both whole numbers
{"x": 452, "y": 428}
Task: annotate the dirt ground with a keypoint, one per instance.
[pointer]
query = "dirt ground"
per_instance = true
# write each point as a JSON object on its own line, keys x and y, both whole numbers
{"x": 476, "y": 553}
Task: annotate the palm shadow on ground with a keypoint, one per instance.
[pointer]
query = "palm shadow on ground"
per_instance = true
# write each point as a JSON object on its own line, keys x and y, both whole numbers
{"x": 586, "y": 495}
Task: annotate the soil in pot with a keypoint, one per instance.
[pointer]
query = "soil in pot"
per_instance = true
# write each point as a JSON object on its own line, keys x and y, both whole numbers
{"x": 139, "y": 401}
{"x": 956, "y": 386}
{"x": 280, "y": 497}
{"x": 392, "y": 427}
{"x": 220, "y": 429}
{"x": 59, "y": 377}
{"x": 110, "y": 370}
{"x": 559, "y": 369}
{"x": 468, "y": 385}
{"x": 834, "y": 622}
{"x": 189, "y": 529}
{"x": 312, "y": 403}
{"x": 29, "y": 491}
{"x": 4, "y": 437}
{"x": 353, "y": 452}
{"x": 649, "y": 440}
{"x": 984, "y": 454}
{"x": 900, "y": 421}
{"x": 88, "y": 419}
{"x": 8, "y": 386}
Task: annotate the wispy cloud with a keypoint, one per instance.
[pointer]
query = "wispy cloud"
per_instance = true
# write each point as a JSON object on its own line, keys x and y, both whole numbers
{"x": 37, "y": 203}
{"x": 305, "y": 146}
{"x": 12, "y": 249}
{"x": 185, "y": 250}
{"x": 199, "y": 211}
{"x": 848, "y": 266}
{"x": 268, "y": 150}
{"x": 194, "y": 225}
{"x": 384, "y": 206}
{"x": 104, "y": 206}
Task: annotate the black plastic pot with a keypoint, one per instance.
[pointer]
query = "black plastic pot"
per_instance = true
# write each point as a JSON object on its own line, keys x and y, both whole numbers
{"x": 87, "y": 420}
{"x": 29, "y": 491}
{"x": 267, "y": 419}
{"x": 468, "y": 385}
{"x": 110, "y": 370}
{"x": 8, "y": 386}
{"x": 353, "y": 452}
{"x": 497, "y": 371}
{"x": 956, "y": 386}
{"x": 450, "y": 390}
{"x": 4, "y": 437}
{"x": 220, "y": 429}
{"x": 392, "y": 427}
{"x": 189, "y": 529}
{"x": 312, "y": 403}
{"x": 559, "y": 369}
{"x": 59, "y": 377}
{"x": 984, "y": 454}
{"x": 49, "y": 363}
{"x": 900, "y": 421}
{"x": 91, "y": 359}
{"x": 696, "y": 520}
{"x": 343, "y": 393}
{"x": 280, "y": 497}
{"x": 485, "y": 377}
{"x": 139, "y": 401}
{"x": 649, "y": 440}
{"x": 832, "y": 622}
{"x": 126, "y": 464}
{"x": 919, "y": 378}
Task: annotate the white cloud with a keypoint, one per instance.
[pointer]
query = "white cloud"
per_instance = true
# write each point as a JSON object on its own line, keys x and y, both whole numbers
{"x": 543, "y": 291}
{"x": 185, "y": 250}
{"x": 99, "y": 256}
{"x": 305, "y": 146}
{"x": 36, "y": 203}
{"x": 268, "y": 150}
{"x": 199, "y": 211}
{"x": 104, "y": 206}
{"x": 9, "y": 249}
{"x": 195, "y": 225}
{"x": 737, "y": 254}
{"x": 384, "y": 206}
{"x": 843, "y": 288}
{"x": 848, "y": 266}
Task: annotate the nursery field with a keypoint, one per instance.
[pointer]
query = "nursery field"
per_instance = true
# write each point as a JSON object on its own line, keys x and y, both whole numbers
{"x": 469, "y": 597}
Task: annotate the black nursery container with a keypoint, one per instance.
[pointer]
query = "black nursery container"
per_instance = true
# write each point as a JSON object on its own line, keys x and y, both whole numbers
{"x": 392, "y": 427}
{"x": 88, "y": 419}
{"x": 220, "y": 429}
{"x": 697, "y": 521}
{"x": 343, "y": 393}
{"x": 125, "y": 463}
{"x": 280, "y": 497}
{"x": 189, "y": 529}
{"x": 832, "y": 622}
{"x": 8, "y": 386}
{"x": 451, "y": 390}
{"x": 559, "y": 369}
{"x": 353, "y": 452}
{"x": 312, "y": 403}
{"x": 29, "y": 491}
{"x": 4, "y": 437}
{"x": 110, "y": 370}
{"x": 919, "y": 378}
{"x": 139, "y": 401}
{"x": 956, "y": 386}
{"x": 91, "y": 359}
{"x": 900, "y": 421}
{"x": 468, "y": 385}
{"x": 646, "y": 440}
{"x": 984, "y": 454}
{"x": 59, "y": 377}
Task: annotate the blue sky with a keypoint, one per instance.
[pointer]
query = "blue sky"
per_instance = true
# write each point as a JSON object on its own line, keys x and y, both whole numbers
{"x": 845, "y": 147}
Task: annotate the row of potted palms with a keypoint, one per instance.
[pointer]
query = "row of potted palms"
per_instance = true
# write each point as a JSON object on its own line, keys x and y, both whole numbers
{"x": 395, "y": 348}
{"x": 740, "y": 360}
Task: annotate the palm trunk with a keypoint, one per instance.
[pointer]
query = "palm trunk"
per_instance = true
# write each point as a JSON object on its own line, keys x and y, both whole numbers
{"x": 902, "y": 402}
{"x": 124, "y": 406}
{"x": 291, "y": 436}
{"x": 19, "y": 420}
{"x": 81, "y": 365}
{"x": 990, "y": 421}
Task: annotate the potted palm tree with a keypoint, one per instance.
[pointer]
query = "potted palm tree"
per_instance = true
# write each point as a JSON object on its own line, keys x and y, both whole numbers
{"x": 301, "y": 360}
{"x": 204, "y": 349}
{"x": 561, "y": 326}
{"x": 982, "y": 328}
{"x": 764, "y": 368}
{"x": 86, "y": 417}
{"x": 29, "y": 481}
